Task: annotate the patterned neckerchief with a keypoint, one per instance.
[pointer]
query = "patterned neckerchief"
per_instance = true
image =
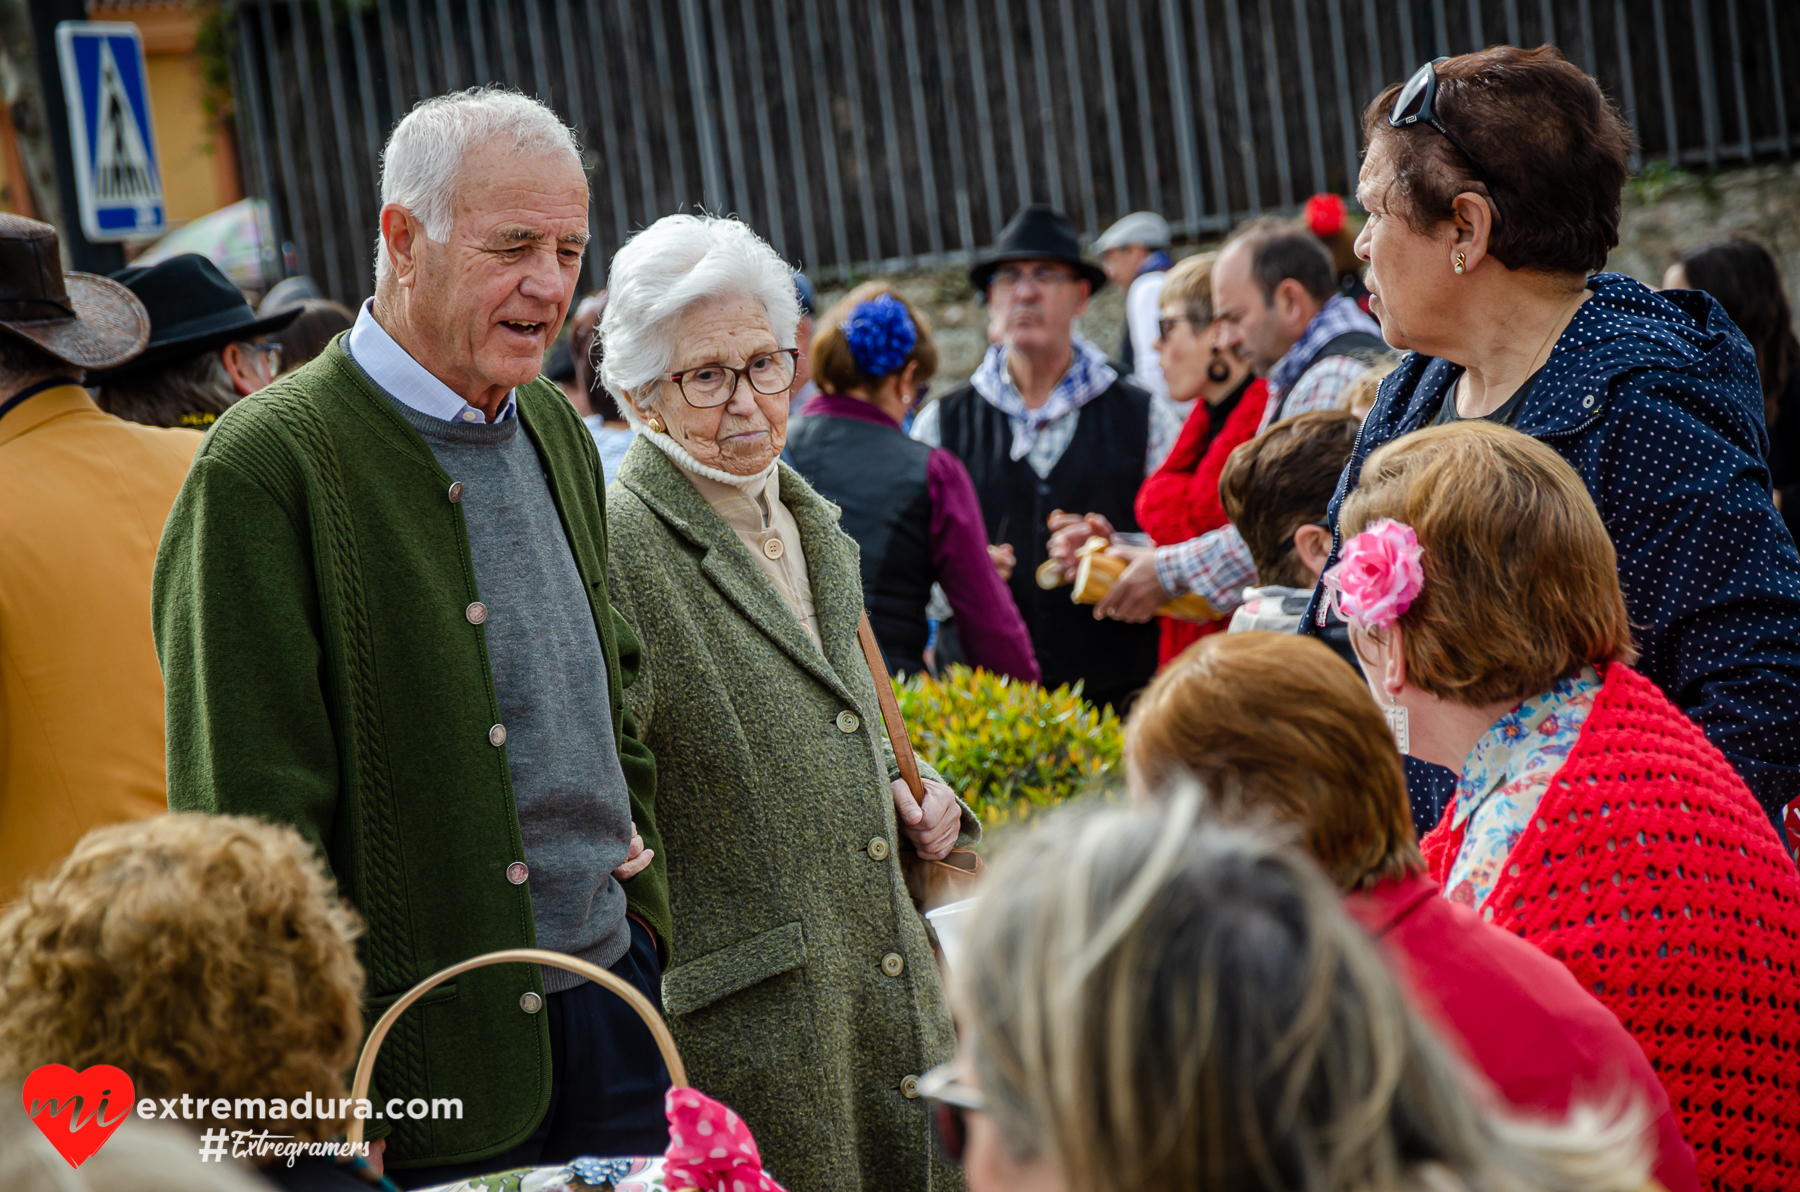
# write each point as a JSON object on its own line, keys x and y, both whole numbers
{"x": 1088, "y": 377}
{"x": 1338, "y": 316}
{"x": 1506, "y": 776}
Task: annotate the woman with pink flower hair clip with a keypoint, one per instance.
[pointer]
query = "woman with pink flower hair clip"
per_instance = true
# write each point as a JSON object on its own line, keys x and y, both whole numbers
{"x": 1591, "y": 816}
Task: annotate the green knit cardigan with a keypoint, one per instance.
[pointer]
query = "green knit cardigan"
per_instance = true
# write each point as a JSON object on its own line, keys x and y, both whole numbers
{"x": 309, "y": 610}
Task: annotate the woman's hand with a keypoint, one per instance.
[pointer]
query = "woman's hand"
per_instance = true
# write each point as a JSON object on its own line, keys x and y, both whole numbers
{"x": 1138, "y": 594}
{"x": 932, "y": 828}
{"x": 636, "y": 861}
{"x": 1004, "y": 560}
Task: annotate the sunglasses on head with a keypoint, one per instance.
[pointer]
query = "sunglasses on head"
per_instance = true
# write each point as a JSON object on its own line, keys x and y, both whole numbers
{"x": 1415, "y": 105}
{"x": 951, "y": 1102}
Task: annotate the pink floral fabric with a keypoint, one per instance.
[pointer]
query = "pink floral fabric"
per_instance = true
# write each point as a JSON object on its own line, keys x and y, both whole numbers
{"x": 710, "y": 1148}
{"x": 1378, "y": 574}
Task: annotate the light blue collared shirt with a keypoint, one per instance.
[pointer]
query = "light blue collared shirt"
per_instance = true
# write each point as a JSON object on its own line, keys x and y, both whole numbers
{"x": 392, "y": 367}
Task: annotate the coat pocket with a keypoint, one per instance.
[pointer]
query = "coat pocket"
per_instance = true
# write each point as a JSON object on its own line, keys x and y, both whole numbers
{"x": 703, "y": 981}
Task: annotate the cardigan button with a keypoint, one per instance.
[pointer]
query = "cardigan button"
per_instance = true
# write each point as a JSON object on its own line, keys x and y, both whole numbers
{"x": 892, "y": 964}
{"x": 531, "y": 1003}
{"x": 517, "y": 872}
{"x": 909, "y": 1087}
{"x": 497, "y": 736}
{"x": 847, "y": 721}
{"x": 878, "y": 849}
{"x": 456, "y": 491}
{"x": 477, "y": 613}
{"x": 772, "y": 547}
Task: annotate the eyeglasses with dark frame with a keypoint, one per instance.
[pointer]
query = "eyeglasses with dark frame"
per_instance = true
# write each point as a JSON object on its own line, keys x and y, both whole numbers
{"x": 1416, "y": 105}
{"x": 951, "y": 1101}
{"x": 705, "y": 386}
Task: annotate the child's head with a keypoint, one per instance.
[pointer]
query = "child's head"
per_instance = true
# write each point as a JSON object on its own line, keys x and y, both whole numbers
{"x": 1275, "y": 490}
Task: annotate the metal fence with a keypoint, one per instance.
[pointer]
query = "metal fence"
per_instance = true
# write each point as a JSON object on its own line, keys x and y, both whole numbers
{"x": 893, "y": 133}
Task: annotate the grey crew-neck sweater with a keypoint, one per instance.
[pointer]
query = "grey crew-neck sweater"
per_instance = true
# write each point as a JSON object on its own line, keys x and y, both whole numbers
{"x": 550, "y": 675}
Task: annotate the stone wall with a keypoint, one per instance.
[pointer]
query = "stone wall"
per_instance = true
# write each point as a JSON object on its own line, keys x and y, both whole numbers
{"x": 1665, "y": 213}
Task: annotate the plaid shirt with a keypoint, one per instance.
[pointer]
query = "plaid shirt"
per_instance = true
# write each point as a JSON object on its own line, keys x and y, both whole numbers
{"x": 1291, "y": 382}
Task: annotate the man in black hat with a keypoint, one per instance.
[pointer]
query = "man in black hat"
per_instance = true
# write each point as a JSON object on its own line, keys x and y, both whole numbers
{"x": 1047, "y": 424}
{"x": 83, "y": 497}
{"x": 207, "y": 347}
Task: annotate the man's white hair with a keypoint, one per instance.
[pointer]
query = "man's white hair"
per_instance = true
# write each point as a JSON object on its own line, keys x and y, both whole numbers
{"x": 424, "y": 156}
{"x": 666, "y": 268}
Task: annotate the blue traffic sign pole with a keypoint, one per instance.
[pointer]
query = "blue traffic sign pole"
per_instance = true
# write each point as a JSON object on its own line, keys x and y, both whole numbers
{"x": 84, "y": 254}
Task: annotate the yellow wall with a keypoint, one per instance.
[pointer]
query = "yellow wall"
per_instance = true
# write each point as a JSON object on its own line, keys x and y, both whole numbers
{"x": 199, "y": 166}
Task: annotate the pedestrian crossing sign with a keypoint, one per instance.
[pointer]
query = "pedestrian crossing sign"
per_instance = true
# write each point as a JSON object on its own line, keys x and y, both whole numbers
{"x": 108, "y": 90}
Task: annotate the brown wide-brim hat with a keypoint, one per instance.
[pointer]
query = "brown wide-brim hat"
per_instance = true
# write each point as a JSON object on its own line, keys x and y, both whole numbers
{"x": 81, "y": 319}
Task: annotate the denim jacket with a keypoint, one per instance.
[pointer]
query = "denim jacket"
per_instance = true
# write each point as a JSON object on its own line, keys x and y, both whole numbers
{"x": 1653, "y": 398}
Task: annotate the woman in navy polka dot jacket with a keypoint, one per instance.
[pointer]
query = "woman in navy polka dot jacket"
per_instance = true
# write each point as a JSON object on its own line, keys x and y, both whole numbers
{"x": 1492, "y": 183}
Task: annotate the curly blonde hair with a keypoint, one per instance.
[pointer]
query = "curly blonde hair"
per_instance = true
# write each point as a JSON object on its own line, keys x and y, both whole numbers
{"x": 206, "y": 955}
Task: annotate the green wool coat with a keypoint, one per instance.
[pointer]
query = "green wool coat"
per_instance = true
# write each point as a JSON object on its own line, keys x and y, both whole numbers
{"x": 780, "y": 833}
{"x": 308, "y": 606}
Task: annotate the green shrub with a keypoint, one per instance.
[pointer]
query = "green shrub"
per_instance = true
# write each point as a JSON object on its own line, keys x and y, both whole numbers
{"x": 1009, "y": 747}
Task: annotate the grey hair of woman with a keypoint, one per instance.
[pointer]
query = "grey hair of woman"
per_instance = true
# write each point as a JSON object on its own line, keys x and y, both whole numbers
{"x": 1156, "y": 1004}
{"x": 674, "y": 263}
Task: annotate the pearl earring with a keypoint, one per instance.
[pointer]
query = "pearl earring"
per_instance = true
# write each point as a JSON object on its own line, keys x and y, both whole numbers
{"x": 1460, "y": 258}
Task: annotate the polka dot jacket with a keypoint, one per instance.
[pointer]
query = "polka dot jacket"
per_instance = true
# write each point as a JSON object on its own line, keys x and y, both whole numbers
{"x": 1653, "y": 398}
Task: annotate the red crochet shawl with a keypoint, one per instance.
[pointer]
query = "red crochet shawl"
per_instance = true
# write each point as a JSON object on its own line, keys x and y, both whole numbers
{"x": 1652, "y": 873}
{"x": 1180, "y": 500}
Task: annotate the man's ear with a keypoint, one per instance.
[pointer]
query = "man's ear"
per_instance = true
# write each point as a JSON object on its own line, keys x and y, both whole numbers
{"x": 402, "y": 234}
{"x": 1087, "y": 291}
{"x": 238, "y": 368}
{"x": 1312, "y": 544}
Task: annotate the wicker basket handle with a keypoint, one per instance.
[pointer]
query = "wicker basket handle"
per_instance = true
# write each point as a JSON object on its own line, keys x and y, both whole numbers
{"x": 665, "y": 1042}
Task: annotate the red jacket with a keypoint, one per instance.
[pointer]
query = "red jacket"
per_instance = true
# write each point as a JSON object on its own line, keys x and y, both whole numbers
{"x": 1520, "y": 1017}
{"x": 1651, "y": 872}
{"x": 1180, "y": 500}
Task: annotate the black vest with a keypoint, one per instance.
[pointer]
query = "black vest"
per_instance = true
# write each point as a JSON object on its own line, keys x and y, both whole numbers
{"x": 877, "y": 476}
{"x": 1100, "y": 472}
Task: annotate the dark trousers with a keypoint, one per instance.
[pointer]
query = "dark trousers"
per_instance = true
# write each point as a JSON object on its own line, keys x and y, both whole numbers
{"x": 607, "y": 1078}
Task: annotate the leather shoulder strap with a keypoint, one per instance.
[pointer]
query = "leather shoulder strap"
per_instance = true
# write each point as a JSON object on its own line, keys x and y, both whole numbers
{"x": 890, "y": 709}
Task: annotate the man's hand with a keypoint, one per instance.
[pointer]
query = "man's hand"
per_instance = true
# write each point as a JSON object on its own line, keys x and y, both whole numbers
{"x": 636, "y": 861}
{"x": 1069, "y": 534}
{"x": 934, "y": 827}
{"x": 1004, "y": 560}
{"x": 1138, "y": 594}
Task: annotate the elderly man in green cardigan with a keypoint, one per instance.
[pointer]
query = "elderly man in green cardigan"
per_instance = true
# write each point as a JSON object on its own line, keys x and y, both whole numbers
{"x": 382, "y": 611}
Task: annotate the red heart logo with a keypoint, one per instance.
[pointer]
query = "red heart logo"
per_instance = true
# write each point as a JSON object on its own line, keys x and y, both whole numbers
{"x": 78, "y": 1111}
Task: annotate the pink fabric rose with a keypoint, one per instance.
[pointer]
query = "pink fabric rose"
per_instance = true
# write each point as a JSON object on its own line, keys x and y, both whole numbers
{"x": 710, "y": 1148}
{"x": 1378, "y": 575}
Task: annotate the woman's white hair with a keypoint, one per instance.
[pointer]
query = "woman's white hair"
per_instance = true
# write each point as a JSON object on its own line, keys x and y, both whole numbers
{"x": 423, "y": 158}
{"x": 675, "y": 262}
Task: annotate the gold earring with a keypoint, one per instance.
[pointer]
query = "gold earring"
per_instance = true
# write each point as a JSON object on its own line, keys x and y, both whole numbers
{"x": 655, "y": 424}
{"x": 1460, "y": 258}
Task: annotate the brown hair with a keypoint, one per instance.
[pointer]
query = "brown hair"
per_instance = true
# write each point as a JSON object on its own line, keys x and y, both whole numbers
{"x": 1281, "y": 480}
{"x": 1277, "y": 724}
{"x": 320, "y": 321}
{"x": 833, "y": 365}
{"x": 1189, "y": 282}
{"x": 1521, "y": 579}
{"x": 202, "y": 954}
{"x": 1552, "y": 145}
{"x": 191, "y": 393}
{"x": 1280, "y": 250}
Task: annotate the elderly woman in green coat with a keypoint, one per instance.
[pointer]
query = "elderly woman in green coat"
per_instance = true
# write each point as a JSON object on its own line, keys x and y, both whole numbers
{"x": 801, "y": 987}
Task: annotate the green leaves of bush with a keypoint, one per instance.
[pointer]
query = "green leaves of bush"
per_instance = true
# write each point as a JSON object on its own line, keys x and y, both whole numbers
{"x": 1009, "y": 747}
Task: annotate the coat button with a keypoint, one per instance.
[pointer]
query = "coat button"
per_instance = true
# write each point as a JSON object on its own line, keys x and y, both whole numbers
{"x": 517, "y": 872}
{"x": 892, "y": 964}
{"x": 455, "y": 493}
{"x": 497, "y": 736}
{"x": 1587, "y": 403}
{"x": 477, "y": 613}
{"x": 878, "y": 849}
{"x": 531, "y": 1003}
{"x": 847, "y": 721}
{"x": 772, "y": 548}
{"x": 909, "y": 1087}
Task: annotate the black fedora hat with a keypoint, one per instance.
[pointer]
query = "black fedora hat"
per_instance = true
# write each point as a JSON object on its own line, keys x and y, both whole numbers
{"x": 193, "y": 308}
{"x": 1038, "y": 233}
{"x": 80, "y": 319}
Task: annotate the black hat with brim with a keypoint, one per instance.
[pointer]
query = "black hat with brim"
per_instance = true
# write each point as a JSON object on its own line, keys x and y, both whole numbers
{"x": 193, "y": 308}
{"x": 1038, "y": 233}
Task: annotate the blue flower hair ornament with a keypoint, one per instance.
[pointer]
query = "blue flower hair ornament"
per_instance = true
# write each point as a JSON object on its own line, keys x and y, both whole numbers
{"x": 881, "y": 335}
